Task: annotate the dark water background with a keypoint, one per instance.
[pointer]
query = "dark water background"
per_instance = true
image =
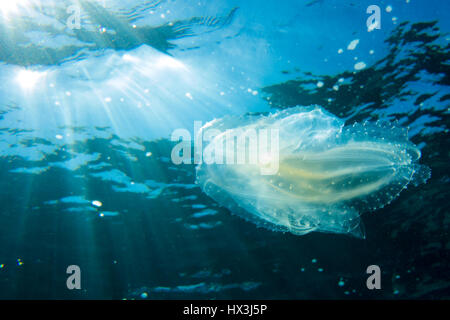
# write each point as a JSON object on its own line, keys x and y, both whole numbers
{"x": 157, "y": 236}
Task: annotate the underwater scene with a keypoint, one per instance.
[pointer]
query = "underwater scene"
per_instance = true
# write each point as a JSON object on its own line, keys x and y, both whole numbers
{"x": 224, "y": 149}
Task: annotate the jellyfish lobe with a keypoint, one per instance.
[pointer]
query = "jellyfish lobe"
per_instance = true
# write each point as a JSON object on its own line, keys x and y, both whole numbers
{"x": 327, "y": 175}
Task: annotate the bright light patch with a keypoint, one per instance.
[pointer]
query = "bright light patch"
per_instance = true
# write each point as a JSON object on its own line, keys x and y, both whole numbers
{"x": 27, "y": 79}
{"x": 169, "y": 62}
{"x": 12, "y": 6}
{"x": 130, "y": 58}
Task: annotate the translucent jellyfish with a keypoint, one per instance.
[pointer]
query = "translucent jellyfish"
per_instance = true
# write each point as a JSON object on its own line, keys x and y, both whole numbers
{"x": 326, "y": 176}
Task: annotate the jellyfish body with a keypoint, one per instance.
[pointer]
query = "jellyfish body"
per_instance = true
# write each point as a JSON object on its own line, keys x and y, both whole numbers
{"x": 327, "y": 174}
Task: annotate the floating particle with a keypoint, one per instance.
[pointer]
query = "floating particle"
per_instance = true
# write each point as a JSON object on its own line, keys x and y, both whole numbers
{"x": 319, "y": 84}
{"x": 335, "y": 87}
{"x": 2, "y": 266}
{"x": 320, "y": 269}
{"x": 189, "y": 95}
{"x": 97, "y": 203}
{"x": 144, "y": 295}
{"x": 314, "y": 260}
{"x": 360, "y": 66}
{"x": 340, "y": 50}
{"x": 341, "y": 283}
{"x": 148, "y": 154}
{"x": 352, "y": 45}
{"x": 59, "y": 137}
{"x": 388, "y": 9}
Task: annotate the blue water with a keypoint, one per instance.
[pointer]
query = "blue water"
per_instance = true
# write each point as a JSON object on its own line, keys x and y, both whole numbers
{"x": 86, "y": 116}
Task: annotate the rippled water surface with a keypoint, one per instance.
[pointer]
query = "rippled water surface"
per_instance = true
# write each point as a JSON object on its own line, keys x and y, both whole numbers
{"x": 91, "y": 91}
